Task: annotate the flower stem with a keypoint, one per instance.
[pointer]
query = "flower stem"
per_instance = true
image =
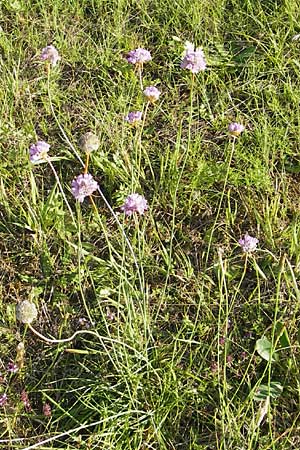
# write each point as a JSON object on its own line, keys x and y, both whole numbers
{"x": 61, "y": 189}
{"x": 87, "y": 163}
{"x": 99, "y": 190}
{"x": 140, "y": 71}
{"x": 58, "y": 123}
{"x": 221, "y": 200}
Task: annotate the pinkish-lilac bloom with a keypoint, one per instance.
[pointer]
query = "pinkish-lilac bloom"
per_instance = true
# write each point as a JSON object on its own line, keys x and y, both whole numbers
{"x": 12, "y": 367}
{"x": 50, "y": 54}
{"x": 134, "y": 117}
{"x": 248, "y": 243}
{"x": 134, "y": 203}
{"x": 3, "y": 399}
{"x": 25, "y": 400}
{"x": 152, "y": 93}
{"x": 193, "y": 58}
{"x": 83, "y": 186}
{"x": 47, "y": 410}
{"x": 138, "y": 56}
{"x": 235, "y": 129}
{"x": 38, "y": 151}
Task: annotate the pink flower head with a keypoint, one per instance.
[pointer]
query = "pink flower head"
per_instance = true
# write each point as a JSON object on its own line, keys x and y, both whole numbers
{"x": 47, "y": 410}
{"x": 152, "y": 93}
{"x": 138, "y": 56}
{"x": 38, "y": 151}
{"x": 193, "y": 58}
{"x": 3, "y": 399}
{"x": 235, "y": 129}
{"x": 134, "y": 117}
{"x": 25, "y": 400}
{"x": 248, "y": 243}
{"x": 134, "y": 203}
{"x": 12, "y": 367}
{"x": 83, "y": 186}
{"x": 50, "y": 53}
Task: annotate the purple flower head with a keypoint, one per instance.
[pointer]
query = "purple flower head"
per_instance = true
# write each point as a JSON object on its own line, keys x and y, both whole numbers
{"x": 134, "y": 117}
{"x": 193, "y": 59}
{"x": 235, "y": 129}
{"x": 3, "y": 399}
{"x": 83, "y": 186}
{"x": 38, "y": 151}
{"x": 51, "y": 54}
{"x": 138, "y": 56}
{"x": 248, "y": 243}
{"x": 134, "y": 203}
{"x": 12, "y": 367}
{"x": 152, "y": 93}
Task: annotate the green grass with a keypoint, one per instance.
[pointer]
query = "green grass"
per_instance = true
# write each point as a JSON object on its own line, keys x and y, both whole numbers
{"x": 172, "y": 363}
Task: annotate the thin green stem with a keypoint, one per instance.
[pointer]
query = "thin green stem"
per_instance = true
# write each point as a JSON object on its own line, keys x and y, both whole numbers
{"x": 220, "y": 202}
{"x": 61, "y": 190}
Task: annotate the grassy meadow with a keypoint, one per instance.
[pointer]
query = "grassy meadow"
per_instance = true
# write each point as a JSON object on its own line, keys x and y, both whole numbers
{"x": 191, "y": 343}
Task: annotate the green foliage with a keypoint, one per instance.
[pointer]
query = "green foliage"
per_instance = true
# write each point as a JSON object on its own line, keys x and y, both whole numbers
{"x": 178, "y": 359}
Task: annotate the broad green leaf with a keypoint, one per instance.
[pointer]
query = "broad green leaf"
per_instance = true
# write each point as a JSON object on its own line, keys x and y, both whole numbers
{"x": 281, "y": 331}
{"x": 264, "y": 349}
{"x": 273, "y": 391}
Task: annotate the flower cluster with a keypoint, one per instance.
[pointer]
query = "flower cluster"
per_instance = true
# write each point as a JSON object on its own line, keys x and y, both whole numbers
{"x": 248, "y": 243}
{"x": 235, "y": 129}
{"x": 39, "y": 151}
{"x": 50, "y": 54}
{"x": 12, "y": 367}
{"x": 134, "y": 203}
{"x": 139, "y": 56}
{"x": 152, "y": 93}
{"x": 193, "y": 58}
{"x": 83, "y": 186}
{"x": 134, "y": 117}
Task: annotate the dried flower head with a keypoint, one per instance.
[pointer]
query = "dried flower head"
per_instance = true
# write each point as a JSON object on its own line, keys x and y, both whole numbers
{"x": 89, "y": 142}
{"x": 248, "y": 243}
{"x": 83, "y": 186}
{"x": 39, "y": 151}
{"x": 134, "y": 203}
{"x": 193, "y": 58}
{"x": 3, "y": 399}
{"x": 26, "y": 311}
{"x": 152, "y": 93}
{"x": 138, "y": 56}
{"x": 50, "y": 54}
{"x": 235, "y": 129}
{"x": 134, "y": 117}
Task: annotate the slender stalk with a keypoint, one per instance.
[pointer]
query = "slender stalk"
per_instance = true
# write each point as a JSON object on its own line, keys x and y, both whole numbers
{"x": 61, "y": 189}
{"x": 60, "y": 341}
{"x": 86, "y": 167}
{"x": 140, "y": 72}
{"x": 174, "y": 195}
{"x": 58, "y": 123}
{"x": 99, "y": 190}
{"x": 221, "y": 200}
